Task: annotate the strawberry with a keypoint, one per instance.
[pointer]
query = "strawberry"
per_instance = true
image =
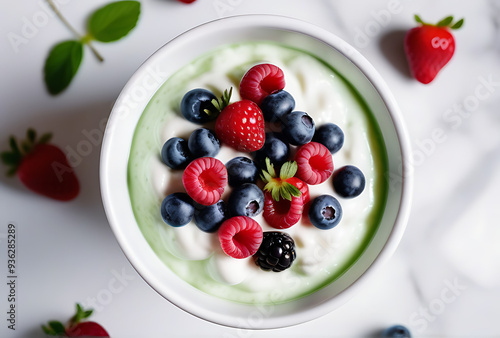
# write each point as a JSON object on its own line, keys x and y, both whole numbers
{"x": 240, "y": 236}
{"x": 315, "y": 164}
{"x": 75, "y": 326}
{"x": 205, "y": 179}
{"x": 240, "y": 125}
{"x": 42, "y": 167}
{"x": 430, "y": 47}
{"x": 284, "y": 213}
{"x": 260, "y": 81}
{"x": 91, "y": 329}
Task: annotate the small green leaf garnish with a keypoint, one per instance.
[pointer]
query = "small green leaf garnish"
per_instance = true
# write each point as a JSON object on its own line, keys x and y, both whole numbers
{"x": 106, "y": 24}
{"x": 113, "y": 21}
{"x": 278, "y": 186}
{"x": 62, "y": 64}
{"x": 418, "y": 19}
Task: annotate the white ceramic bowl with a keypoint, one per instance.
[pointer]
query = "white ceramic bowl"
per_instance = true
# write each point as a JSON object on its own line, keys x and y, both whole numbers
{"x": 133, "y": 100}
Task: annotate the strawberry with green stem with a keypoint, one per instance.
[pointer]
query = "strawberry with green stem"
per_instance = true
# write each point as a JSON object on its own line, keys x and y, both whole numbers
{"x": 77, "y": 326}
{"x": 430, "y": 47}
{"x": 284, "y": 196}
{"x": 41, "y": 167}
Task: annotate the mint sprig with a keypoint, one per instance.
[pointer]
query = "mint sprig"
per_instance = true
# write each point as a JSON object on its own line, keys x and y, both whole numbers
{"x": 109, "y": 23}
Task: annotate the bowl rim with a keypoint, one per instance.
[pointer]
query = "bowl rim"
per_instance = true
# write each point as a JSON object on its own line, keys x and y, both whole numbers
{"x": 296, "y": 26}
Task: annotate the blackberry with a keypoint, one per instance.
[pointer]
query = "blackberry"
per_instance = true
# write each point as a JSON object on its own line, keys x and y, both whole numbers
{"x": 277, "y": 251}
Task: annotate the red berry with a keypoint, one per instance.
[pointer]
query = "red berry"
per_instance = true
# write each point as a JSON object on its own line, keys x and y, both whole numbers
{"x": 303, "y": 187}
{"x": 205, "y": 179}
{"x": 42, "y": 167}
{"x": 187, "y": 1}
{"x": 314, "y": 162}
{"x": 260, "y": 81}
{"x": 241, "y": 126}
{"x": 282, "y": 214}
{"x": 429, "y": 48}
{"x": 87, "y": 329}
{"x": 240, "y": 236}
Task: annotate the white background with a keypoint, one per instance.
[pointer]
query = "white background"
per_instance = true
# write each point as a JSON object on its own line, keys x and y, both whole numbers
{"x": 443, "y": 280}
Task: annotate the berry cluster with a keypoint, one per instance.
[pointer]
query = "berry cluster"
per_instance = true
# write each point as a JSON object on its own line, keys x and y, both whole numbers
{"x": 284, "y": 199}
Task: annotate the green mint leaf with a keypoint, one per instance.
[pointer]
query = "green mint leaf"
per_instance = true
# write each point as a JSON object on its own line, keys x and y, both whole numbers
{"x": 57, "y": 328}
{"x": 445, "y": 22}
{"x": 62, "y": 64}
{"x": 458, "y": 24}
{"x": 113, "y": 21}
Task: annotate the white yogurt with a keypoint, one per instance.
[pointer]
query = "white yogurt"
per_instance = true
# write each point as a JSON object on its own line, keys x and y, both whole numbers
{"x": 321, "y": 254}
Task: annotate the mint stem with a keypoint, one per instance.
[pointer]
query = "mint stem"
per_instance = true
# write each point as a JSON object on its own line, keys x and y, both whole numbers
{"x": 73, "y": 30}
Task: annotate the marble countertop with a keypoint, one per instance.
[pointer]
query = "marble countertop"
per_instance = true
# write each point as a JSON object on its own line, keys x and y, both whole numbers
{"x": 443, "y": 280}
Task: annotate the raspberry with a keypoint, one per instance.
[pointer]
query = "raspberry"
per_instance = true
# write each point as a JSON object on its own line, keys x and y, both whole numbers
{"x": 314, "y": 162}
{"x": 282, "y": 214}
{"x": 205, "y": 180}
{"x": 260, "y": 81}
{"x": 276, "y": 253}
{"x": 240, "y": 236}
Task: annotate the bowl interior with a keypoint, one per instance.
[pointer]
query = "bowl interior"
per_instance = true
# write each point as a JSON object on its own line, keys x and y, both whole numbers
{"x": 133, "y": 100}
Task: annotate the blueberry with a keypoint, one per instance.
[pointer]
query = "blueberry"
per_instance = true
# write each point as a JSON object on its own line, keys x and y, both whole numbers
{"x": 325, "y": 212}
{"x": 276, "y": 105}
{"x": 209, "y": 218}
{"x": 396, "y": 331}
{"x": 241, "y": 170}
{"x": 195, "y": 102}
{"x": 175, "y": 153}
{"x": 330, "y": 135}
{"x": 349, "y": 181}
{"x": 298, "y": 128}
{"x": 246, "y": 200}
{"x": 203, "y": 142}
{"x": 177, "y": 209}
{"x": 275, "y": 147}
